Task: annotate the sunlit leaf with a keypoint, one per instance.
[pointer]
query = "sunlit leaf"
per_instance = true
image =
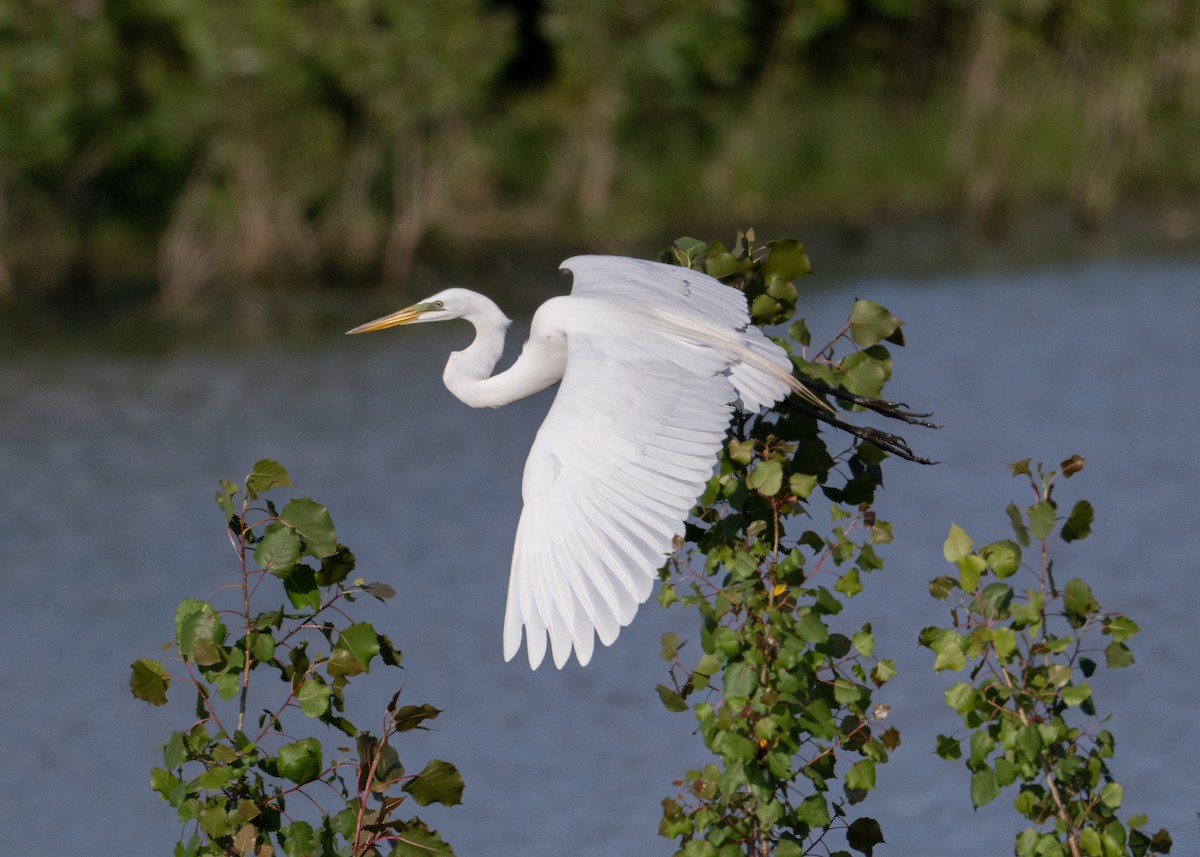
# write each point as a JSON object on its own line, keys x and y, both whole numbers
{"x": 313, "y": 697}
{"x": 861, "y": 775}
{"x": 1003, "y": 557}
{"x": 354, "y": 649}
{"x": 267, "y": 474}
{"x": 1120, "y": 627}
{"x": 958, "y": 544}
{"x": 766, "y": 478}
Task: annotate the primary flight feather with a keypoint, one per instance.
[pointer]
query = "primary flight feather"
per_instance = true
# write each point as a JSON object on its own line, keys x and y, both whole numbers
{"x": 651, "y": 360}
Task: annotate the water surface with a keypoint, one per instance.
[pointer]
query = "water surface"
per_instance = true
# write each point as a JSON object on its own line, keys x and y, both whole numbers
{"x": 109, "y": 464}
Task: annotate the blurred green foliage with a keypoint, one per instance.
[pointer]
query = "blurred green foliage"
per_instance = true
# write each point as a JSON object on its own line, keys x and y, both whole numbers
{"x": 290, "y": 141}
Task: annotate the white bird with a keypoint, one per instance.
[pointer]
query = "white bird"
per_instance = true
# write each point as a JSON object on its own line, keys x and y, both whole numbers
{"x": 652, "y": 359}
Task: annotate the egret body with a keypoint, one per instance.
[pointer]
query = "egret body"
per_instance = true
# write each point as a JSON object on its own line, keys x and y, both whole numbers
{"x": 651, "y": 361}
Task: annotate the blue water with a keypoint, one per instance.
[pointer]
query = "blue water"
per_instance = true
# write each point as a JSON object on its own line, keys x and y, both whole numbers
{"x": 108, "y": 466}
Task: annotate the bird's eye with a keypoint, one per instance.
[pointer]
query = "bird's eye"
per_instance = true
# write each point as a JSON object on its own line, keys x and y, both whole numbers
{"x": 438, "y": 305}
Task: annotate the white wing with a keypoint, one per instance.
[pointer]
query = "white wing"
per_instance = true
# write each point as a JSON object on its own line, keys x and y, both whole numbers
{"x": 657, "y": 358}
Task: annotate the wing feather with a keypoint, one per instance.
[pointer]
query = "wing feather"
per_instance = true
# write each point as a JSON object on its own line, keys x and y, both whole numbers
{"x": 652, "y": 376}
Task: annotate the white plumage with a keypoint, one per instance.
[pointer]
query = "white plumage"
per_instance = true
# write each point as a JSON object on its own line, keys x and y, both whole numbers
{"x": 652, "y": 360}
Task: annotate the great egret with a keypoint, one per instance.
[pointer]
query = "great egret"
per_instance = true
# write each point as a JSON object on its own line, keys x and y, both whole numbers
{"x": 652, "y": 360}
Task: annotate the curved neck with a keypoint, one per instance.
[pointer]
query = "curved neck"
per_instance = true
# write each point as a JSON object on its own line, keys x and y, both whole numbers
{"x": 468, "y": 371}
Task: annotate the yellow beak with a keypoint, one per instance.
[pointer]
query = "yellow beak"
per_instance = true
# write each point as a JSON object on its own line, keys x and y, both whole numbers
{"x": 403, "y": 316}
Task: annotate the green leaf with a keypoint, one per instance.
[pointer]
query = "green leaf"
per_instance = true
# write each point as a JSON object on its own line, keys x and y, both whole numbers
{"x": 970, "y": 569}
{"x": 766, "y": 478}
{"x": 1018, "y": 524}
{"x": 1079, "y": 522}
{"x": 798, "y": 332}
{"x": 958, "y": 544}
{"x": 949, "y": 652}
{"x": 355, "y": 648}
{"x": 948, "y": 748}
{"x": 301, "y": 588}
{"x": 313, "y": 697}
{"x": 175, "y": 751}
{"x": 813, "y": 811}
{"x": 224, "y": 498}
{"x": 942, "y": 587}
{"x": 871, "y": 323}
{"x": 741, "y": 680}
{"x": 995, "y": 600}
{"x": 199, "y": 631}
{"x": 278, "y": 550}
{"x": 865, "y": 372}
{"x": 802, "y": 484}
{"x": 216, "y": 821}
{"x": 811, "y": 629}
{"x": 788, "y": 261}
{"x": 1003, "y": 557}
{"x": 439, "y": 782}
{"x": 861, "y": 776}
{"x": 1041, "y": 519}
{"x": 311, "y": 520}
{"x": 298, "y": 839}
{"x": 416, "y": 840}
{"x": 883, "y": 671}
{"x": 984, "y": 788}
{"x": 1078, "y": 601}
{"x": 864, "y": 642}
{"x": 1089, "y": 842}
{"x": 410, "y": 717}
{"x": 849, "y": 584}
{"x": 671, "y": 699}
{"x": 300, "y": 761}
{"x": 1121, "y": 627}
{"x": 1076, "y": 694}
{"x": 863, "y": 834}
{"x": 336, "y": 567}
{"x": 961, "y": 696}
{"x": 1111, "y": 795}
{"x": 267, "y": 474}
{"x": 1117, "y": 655}
{"x": 670, "y": 646}
{"x": 149, "y": 681}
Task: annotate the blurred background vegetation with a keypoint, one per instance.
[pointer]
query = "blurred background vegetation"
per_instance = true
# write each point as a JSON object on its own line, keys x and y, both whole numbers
{"x": 179, "y": 151}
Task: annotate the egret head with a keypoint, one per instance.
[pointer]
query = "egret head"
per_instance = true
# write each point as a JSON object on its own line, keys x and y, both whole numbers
{"x": 452, "y": 303}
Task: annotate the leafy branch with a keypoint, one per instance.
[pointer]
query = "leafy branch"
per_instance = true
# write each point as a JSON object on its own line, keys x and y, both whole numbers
{"x": 1031, "y": 653}
{"x": 784, "y": 699}
{"x": 235, "y": 785}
